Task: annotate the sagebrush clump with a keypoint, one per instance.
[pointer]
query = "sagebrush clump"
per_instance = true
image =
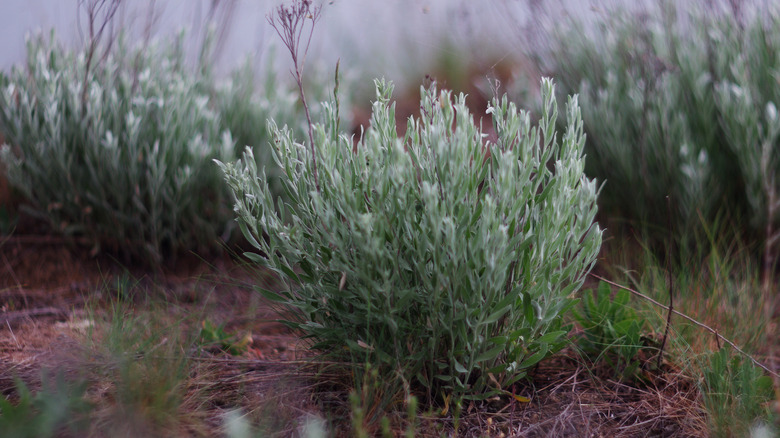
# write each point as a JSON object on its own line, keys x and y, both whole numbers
{"x": 445, "y": 260}
{"x": 684, "y": 107}
{"x": 128, "y": 165}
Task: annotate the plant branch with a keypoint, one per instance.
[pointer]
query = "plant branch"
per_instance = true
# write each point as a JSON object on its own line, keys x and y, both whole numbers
{"x": 669, "y": 280}
{"x": 93, "y": 10}
{"x": 290, "y": 25}
{"x": 771, "y": 236}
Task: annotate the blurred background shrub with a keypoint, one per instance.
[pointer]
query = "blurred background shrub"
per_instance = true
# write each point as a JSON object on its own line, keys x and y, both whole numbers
{"x": 125, "y": 161}
{"x": 680, "y": 102}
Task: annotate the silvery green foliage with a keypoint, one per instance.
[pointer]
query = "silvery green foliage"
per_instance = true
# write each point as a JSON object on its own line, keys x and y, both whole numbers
{"x": 130, "y": 168}
{"x": 747, "y": 100}
{"x": 244, "y": 108}
{"x": 245, "y": 105}
{"x": 681, "y": 106}
{"x": 645, "y": 141}
{"x": 755, "y": 137}
{"x": 447, "y": 261}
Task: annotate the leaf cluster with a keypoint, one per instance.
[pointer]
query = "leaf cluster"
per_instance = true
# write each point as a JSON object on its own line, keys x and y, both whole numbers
{"x": 215, "y": 336}
{"x": 611, "y": 330}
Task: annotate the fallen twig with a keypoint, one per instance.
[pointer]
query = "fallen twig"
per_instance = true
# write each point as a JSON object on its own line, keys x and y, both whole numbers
{"x": 11, "y": 317}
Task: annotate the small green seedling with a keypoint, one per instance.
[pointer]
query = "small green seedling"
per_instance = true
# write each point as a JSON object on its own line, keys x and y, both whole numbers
{"x": 612, "y": 330}
{"x": 215, "y": 336}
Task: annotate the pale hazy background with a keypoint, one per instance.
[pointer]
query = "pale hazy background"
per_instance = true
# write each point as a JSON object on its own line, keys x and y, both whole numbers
{"x": 371, "y": 37}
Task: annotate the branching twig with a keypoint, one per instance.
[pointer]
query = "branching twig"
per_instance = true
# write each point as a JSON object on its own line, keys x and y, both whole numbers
{"x": 151, "y": 19}
{"x": 290, "y": 25}
{"x": 100, "y": 13}
{"x": 702, "y": 325}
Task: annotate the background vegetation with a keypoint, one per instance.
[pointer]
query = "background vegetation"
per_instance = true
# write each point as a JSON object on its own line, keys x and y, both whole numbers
{"x": 681, "y": 103}
{"x": 435, "y": 276}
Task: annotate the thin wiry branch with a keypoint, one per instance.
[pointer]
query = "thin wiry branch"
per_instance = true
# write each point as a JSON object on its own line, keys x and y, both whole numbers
{"x": 290, "y": 25}
{"x": 100, "y": 13}
{"x": 670, "y": 280}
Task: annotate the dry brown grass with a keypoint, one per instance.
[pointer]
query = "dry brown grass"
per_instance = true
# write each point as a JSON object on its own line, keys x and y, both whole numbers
{"x": 570, "y": 400}
{"x": 277, "y": 384}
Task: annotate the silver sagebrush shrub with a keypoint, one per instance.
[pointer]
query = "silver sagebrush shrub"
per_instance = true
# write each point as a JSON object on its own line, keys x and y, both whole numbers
{"x": 446, "y": 260}
{"x": 683, "y": 107}
{"x": 129, "y": 165}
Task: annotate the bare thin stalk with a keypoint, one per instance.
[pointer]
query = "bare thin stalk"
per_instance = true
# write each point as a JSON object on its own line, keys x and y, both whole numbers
{"x": 700, "y": 324}
{"x": 151, "y": 19}
{"x": 717, "y": 339}
{"x": 289, "y": 27}
{"x": 772, "y": 238}
{"x": 336, "y": 99}
{"x": 94, "y": 9}
{"x": 220, "y": 15}
{"x": 772, "y": 235}
{"x": 669, "y": 280}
